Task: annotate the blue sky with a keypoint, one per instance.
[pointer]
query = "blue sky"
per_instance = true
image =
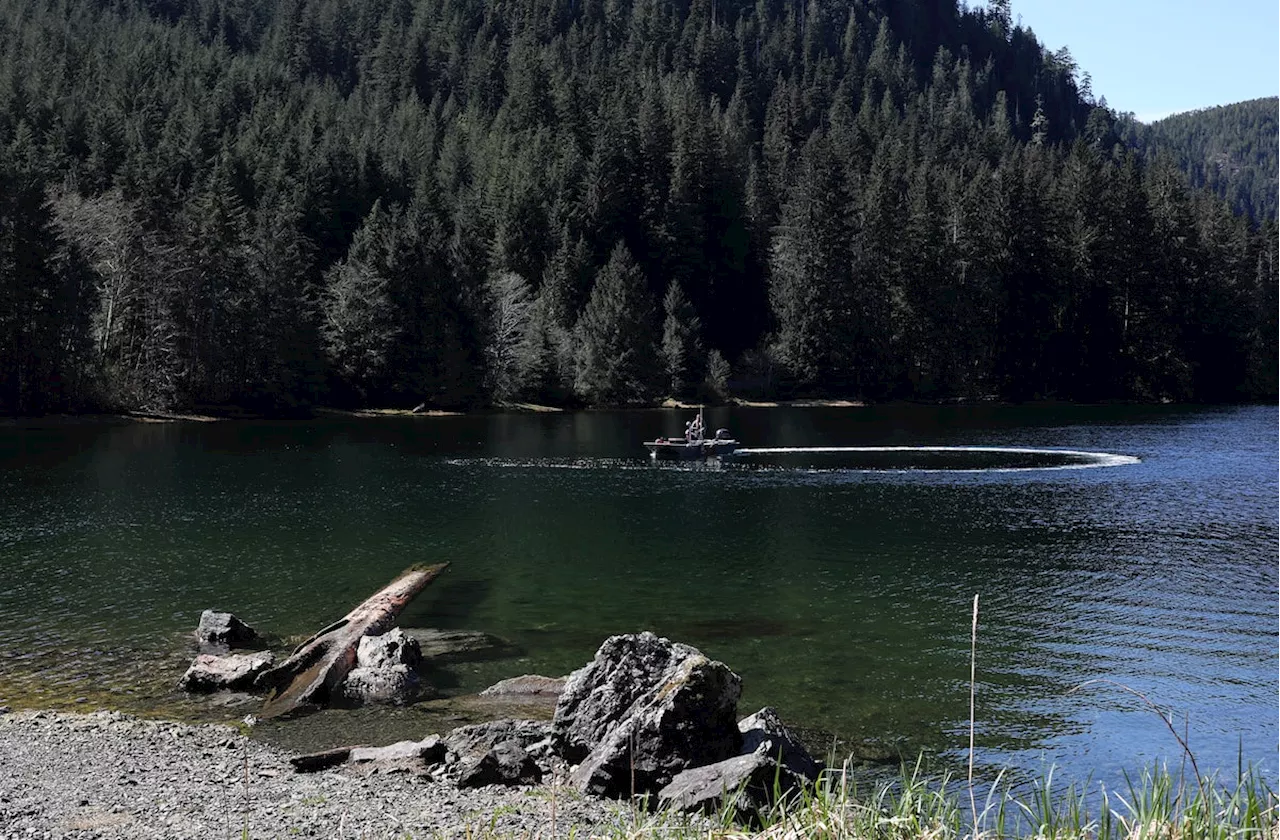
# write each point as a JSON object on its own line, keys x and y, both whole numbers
{"x": 1159, "y": 57}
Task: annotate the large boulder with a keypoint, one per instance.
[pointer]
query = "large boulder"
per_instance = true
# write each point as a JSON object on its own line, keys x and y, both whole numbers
{"x": 211, "y": 672}
{"x": 218, "y": 632}
{"x": 764, "y": 731}
{"x": 497, "y": 753}
{"x": 642, "y": 711}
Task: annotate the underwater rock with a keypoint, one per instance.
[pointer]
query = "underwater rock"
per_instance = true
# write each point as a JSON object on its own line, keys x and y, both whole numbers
{"x": 642, "y": 711}
{"x": 527, "y": 687}
{"x": 460, "y": 645}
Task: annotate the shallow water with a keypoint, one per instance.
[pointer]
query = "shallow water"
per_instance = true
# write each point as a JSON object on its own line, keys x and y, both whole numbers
{"x": 838, "y": 584}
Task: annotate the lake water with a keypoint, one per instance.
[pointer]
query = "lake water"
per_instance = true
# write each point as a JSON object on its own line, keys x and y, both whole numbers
{"x": 838, "y": 584}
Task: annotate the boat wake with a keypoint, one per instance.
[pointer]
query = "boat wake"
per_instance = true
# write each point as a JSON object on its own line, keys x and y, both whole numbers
{"x": 929, "y": 458}
{"x": 845, "y": 459}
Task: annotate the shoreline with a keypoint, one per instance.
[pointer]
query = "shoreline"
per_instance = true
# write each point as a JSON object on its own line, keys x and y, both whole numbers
{"x": 111, "y": 775}
{"x": 237, "y": 414}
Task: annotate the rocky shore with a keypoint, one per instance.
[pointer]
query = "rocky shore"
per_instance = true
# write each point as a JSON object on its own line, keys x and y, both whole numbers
{"x": 108, "y": 775}
{"x": 646, "y": 723}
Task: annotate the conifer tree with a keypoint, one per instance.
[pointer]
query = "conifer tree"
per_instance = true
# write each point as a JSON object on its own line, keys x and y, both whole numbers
{"x": 681, "y": 342}
{"x": 811, "y": 271}
{"x": 360, "y": 323}
{"x": 616, "y": 355}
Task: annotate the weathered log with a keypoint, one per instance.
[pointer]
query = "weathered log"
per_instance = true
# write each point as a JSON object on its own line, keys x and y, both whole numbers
{"x": 309, "y": 677}
{"x": 315, "y": 762}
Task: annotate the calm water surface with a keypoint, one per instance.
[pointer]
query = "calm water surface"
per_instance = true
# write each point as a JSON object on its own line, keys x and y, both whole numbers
{"x": 839, "y": 585}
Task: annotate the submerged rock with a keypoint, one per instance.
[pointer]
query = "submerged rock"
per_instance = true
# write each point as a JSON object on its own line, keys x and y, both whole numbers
{"x": 532, "y": 688}
{"x": 644, "y": 710}
{"x": 222, "y": 631}
{"x": 460, "y": 645}
{"x": 211, "y": 672}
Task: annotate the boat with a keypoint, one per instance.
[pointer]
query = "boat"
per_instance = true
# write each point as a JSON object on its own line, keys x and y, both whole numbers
{"x": 694, "y": 446}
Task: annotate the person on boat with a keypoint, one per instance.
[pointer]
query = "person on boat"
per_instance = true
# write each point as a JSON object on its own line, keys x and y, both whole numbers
{"x": 688, "y": 431}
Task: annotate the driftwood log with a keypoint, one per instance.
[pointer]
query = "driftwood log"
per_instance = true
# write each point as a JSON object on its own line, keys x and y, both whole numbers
{"x": 310, "y": 675}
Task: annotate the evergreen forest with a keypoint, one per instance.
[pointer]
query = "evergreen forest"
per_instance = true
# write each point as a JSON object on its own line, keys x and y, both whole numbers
{"x": 454, "y": 203}
{"x": 1232, "y": 150}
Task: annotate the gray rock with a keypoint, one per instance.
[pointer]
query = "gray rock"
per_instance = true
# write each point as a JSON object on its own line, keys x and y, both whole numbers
{"x": 748, "y": 784}
{"x": 210, "y": 672}
{"x": 598, "y": 696}
{"x": 644, "y": 710}
{"x": 221, "y": 631}
{"x": 388, "y": 650}
{"x": 403, "y": 756}
{"x": 459, "y": 645}
{"x": 531, "y": 687}
{"x": 416, "y": 757}
{"x": 386, "y": 671}
{"x": 764, "y": 731}
{"x": 396, "y": 685}
{"x": 496, "y": 753}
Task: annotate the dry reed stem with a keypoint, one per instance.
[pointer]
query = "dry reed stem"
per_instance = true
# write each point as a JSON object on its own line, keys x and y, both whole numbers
{"x": 1168, "y": 722}
{"x": 973, "y": 672}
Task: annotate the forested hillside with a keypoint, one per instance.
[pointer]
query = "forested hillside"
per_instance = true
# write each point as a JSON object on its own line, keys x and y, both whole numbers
{"x": 1233, "y": 150}
{"x": 274, "y": 204}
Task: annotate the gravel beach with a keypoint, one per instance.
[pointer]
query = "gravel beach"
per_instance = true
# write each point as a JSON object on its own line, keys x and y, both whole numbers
{"x": 109, "y": 775}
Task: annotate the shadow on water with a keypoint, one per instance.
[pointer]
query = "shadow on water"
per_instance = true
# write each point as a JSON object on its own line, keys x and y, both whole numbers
{"x": 724, "y": 628}
{"x": 450, "y": 603}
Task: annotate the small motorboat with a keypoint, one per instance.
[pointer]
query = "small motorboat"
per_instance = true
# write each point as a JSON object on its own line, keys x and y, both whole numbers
{"x": 694, "y": 446}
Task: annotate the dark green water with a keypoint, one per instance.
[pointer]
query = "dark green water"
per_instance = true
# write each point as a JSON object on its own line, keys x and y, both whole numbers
{"x": 839, "y": 585}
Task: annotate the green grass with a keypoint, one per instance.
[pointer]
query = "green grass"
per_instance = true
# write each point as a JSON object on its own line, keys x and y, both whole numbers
{"x": 1158, "y": 805}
